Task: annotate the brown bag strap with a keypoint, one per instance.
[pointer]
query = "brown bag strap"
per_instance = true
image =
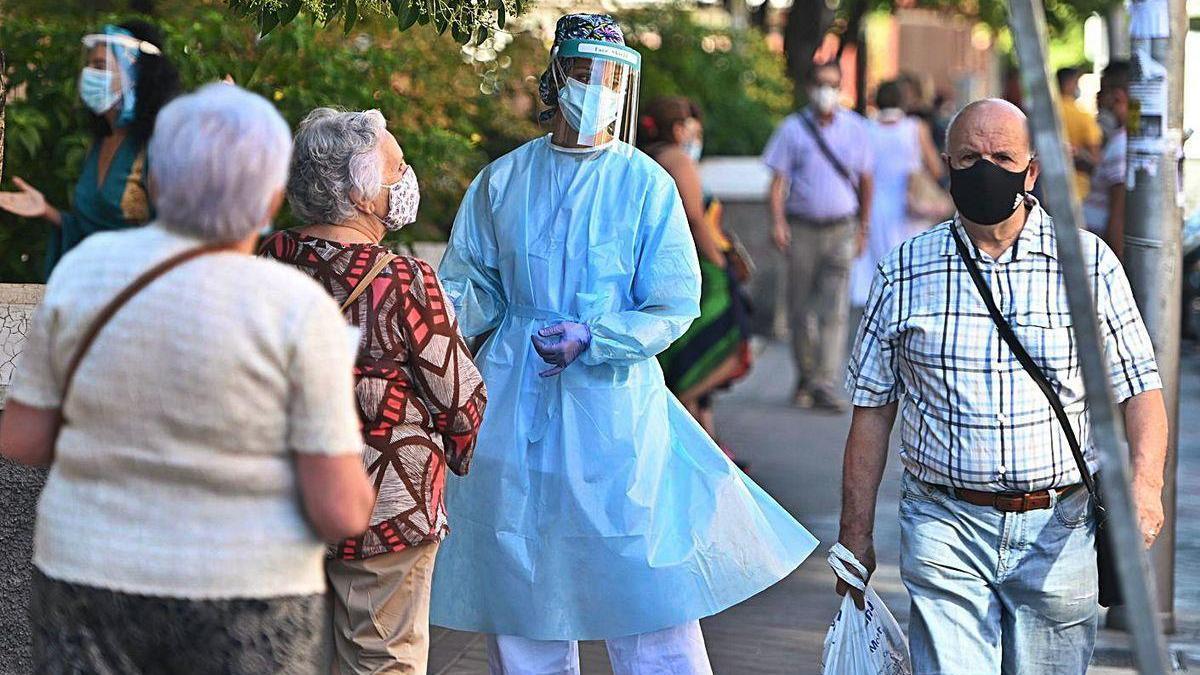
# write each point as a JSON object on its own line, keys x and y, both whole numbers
{"x": 123, "y": 297}
{"x": 365, "y": 283}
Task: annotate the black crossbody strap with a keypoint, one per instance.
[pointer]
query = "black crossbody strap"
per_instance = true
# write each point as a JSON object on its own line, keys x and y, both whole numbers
{"x": 1026, "y": 361}
{"x": 832, "y": 158}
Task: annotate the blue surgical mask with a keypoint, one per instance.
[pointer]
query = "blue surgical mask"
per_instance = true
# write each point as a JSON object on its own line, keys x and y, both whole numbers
{"x": 96, "y": 91}
{"x": 694, "y": 149}
{"x": 589, "y": 108}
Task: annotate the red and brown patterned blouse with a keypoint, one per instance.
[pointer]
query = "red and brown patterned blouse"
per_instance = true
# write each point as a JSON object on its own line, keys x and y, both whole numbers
{"x": 420, "y": 397}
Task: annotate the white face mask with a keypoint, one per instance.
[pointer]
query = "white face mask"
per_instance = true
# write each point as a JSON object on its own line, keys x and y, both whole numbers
{"x": 404, "y": 196}
{"x": 824, "y": 98}
{"x": 589, "y": 108}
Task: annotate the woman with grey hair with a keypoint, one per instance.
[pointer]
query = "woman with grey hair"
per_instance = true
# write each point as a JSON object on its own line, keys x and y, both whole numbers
{"x": 420, "y": 398}
{"x": 195, "y": 407}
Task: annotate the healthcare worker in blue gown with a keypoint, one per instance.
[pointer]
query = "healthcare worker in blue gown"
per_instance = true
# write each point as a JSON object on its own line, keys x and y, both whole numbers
{"x": 596, "y": 507}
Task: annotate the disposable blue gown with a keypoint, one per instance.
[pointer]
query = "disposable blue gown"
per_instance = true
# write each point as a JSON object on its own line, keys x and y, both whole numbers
{"x": 595, "y": 507}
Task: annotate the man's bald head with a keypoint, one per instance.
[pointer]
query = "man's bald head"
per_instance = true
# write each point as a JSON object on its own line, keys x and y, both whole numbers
{"x": 987, "y": 113}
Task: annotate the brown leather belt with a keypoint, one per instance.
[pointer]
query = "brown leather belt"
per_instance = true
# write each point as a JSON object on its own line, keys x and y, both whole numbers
{"x": 1009, "y": 502}
{"x": 821, "y": 223}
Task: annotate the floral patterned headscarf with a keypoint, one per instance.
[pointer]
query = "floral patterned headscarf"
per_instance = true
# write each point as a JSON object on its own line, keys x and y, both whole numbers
{"x": 574, "y": 27}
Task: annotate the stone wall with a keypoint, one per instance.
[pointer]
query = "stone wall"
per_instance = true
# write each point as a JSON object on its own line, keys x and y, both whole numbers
{"x": 19, "y": 489}
{"x": 16, "y": 307}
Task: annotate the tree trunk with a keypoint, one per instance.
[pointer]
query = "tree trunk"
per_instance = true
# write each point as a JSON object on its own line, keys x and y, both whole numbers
{"x": 856, "y": 35}
{"x": 3, "y": 100}
{"x": 807, "y": 23}
{"x": 759, "y": 15}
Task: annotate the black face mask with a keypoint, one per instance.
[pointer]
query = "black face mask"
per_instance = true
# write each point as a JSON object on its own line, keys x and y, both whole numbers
{"x": 985, "y": 193}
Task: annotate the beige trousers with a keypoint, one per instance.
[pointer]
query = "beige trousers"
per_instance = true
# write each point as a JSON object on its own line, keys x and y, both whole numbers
{"x": 819, "y": 299}
{"x": 381, "y": 612}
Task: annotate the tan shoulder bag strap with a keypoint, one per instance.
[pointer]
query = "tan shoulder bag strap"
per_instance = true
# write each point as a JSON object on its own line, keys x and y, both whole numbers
{"x": 123, "y": 297}
{"x": 365, "y": 283}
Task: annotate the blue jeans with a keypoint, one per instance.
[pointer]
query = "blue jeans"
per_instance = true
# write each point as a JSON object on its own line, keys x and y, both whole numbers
{"x": 996, "y": 592}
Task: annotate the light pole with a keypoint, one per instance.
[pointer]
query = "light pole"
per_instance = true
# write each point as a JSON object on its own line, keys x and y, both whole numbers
{"x": 1153, "y": 225}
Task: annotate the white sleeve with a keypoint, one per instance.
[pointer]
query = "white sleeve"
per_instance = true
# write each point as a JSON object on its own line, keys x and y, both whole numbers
{"x": 322, "y": 413}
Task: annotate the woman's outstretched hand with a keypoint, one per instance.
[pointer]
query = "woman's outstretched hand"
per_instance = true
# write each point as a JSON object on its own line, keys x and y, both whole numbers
{"x": 572, "y": 340}
{"x": 26, "y": 202}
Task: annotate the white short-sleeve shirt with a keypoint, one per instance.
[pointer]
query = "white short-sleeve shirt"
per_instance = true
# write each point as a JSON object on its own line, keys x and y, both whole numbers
{"x": 174, "y": 472}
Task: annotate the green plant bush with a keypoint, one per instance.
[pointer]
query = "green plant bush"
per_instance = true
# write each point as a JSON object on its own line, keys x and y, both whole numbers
{"x": 739, "y": 83}
{"x": 453, "y": 108}
{"x": 450, "y": 111}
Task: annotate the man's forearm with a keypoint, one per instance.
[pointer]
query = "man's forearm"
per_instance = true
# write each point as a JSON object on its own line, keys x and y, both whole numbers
{"x": 862, "y": 469}
{"x": 1146, "y": 430}
{"x": 778, "y": 214}
{"x": 1145, "y": 418}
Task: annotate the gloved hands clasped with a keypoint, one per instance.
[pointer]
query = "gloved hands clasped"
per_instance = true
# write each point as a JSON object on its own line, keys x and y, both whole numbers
{"x": 559, "y": 345}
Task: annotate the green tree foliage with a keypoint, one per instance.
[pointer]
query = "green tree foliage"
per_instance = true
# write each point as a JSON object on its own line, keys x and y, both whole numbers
{"x": 739, "y": 83}
{"x": 465, "y": 20}
{"x": 451, "y": 107}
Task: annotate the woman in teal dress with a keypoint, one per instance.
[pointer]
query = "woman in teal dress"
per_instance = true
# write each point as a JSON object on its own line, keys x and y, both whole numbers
{"x": 124, "y": 82}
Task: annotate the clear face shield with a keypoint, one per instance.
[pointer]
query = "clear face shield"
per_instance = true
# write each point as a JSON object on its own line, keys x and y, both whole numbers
{"x": 598, "y": 85}
{"x": 107, "y": 79}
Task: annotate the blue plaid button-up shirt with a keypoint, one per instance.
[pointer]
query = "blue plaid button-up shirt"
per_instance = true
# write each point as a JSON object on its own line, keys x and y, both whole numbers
{"x": 971, "y": 417}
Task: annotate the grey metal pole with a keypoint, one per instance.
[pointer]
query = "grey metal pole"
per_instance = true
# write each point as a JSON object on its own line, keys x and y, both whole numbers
{"x": 1116, "y": 23}
{"x": 1153, "y": 226}
{"x": 1028, "y": 22}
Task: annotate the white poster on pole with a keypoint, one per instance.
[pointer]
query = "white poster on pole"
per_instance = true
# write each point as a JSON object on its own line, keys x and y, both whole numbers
{"x": 1147, "y": 113}
{"x": 1149, "y": 19}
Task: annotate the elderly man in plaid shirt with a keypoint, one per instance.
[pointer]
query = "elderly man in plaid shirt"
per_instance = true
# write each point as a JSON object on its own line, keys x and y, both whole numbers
{"x": 997, "y": 535}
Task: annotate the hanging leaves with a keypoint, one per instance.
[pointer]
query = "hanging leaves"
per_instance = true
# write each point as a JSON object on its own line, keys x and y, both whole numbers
{"x": 468, "y": 21}
{"x": 351, "y": 15}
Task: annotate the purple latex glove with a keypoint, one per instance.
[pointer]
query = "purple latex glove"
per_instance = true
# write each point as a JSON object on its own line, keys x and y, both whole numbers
{"x": 559, "y": 345}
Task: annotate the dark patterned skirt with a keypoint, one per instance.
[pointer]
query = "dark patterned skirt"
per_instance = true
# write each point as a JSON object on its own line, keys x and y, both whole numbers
{"x": 721, "y": 332}
{"x": 84, "y": 629}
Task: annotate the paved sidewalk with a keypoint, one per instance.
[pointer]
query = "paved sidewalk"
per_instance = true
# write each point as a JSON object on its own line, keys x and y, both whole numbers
{"x": 796, "y": 456}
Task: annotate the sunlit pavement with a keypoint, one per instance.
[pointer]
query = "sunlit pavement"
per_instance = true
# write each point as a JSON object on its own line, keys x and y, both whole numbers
{"x": 796, "y": 456}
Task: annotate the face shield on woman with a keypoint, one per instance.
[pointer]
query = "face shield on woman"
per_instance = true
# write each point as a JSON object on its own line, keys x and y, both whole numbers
{"x": 108, "y": 76}
{"x": 598, "y": 93}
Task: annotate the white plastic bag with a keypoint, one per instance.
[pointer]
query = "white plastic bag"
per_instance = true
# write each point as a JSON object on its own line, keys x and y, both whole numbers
{"x": 866, "y": 641}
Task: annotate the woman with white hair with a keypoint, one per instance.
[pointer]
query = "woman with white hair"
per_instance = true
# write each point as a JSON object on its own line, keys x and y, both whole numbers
{"x": 420, "y": 397}
{"x": 195, "y": 407}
